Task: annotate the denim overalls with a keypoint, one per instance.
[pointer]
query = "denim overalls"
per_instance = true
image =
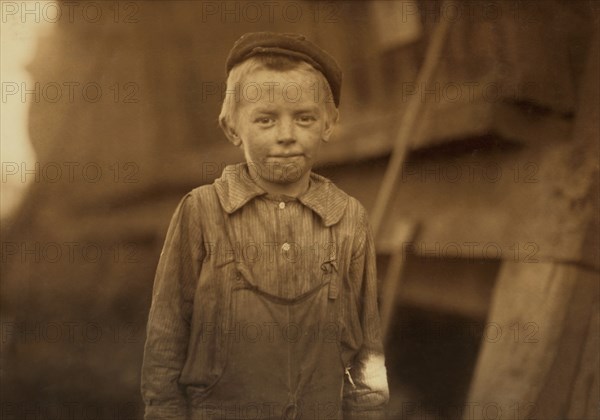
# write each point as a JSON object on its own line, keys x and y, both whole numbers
{"x": 279, "y": 357}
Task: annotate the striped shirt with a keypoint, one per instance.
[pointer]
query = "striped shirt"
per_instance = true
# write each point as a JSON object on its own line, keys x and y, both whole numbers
{"x": 284, "y": 242}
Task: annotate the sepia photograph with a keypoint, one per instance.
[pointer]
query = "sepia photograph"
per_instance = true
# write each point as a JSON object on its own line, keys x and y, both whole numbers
{"x": 300, "y": 210}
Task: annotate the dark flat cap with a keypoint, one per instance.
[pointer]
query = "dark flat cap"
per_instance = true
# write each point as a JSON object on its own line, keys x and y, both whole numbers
{"x": 293, "y": 45}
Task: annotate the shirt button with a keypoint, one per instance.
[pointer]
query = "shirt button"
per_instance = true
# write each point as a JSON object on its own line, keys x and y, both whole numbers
{"x": 285, "y": 247}
{"x": 282, "y": 205}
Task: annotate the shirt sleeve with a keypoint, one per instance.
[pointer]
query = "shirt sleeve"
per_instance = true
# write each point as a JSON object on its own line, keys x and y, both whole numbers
{"x": 366, "y": 391}
{"x": 168, "y": 327}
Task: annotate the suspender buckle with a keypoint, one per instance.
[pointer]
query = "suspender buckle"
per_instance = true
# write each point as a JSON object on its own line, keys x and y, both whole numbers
{"x": 330, "y": 270}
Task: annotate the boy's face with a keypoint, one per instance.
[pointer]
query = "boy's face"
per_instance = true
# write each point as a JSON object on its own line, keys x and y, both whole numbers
{"x": 280, "y": 122}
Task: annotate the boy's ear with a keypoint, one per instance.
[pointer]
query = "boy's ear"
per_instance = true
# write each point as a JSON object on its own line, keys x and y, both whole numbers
{"x": 230, "y": 132}
{"x": 330, "y": 124}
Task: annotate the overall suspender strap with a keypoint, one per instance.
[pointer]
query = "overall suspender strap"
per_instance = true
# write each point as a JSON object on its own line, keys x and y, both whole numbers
{"x": 330, "y": 267}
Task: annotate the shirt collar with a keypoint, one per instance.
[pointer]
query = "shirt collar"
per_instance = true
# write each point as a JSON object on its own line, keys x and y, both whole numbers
{"x": 235, "y": 188}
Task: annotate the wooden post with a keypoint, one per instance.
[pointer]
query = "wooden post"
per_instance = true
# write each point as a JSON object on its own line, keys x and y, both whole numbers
{"x": 538, "y": 330}
{"x": 402, "y": 233}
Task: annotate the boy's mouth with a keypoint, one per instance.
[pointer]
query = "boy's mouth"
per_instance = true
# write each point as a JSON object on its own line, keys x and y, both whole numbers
{"x": 291, "y": 159}
{"x": 285, "y": 156}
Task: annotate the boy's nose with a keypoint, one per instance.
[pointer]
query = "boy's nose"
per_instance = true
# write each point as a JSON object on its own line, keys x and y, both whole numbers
{"x": 286, "y": 134}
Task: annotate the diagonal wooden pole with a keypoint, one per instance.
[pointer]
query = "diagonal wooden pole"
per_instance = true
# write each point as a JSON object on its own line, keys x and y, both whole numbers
{"x": 407, "y": 125}
{"x": 401, "y": 146}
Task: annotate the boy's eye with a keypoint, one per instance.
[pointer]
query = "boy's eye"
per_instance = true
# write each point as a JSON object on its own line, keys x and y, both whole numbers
{"x": 264, "y": 120}
{"x": 307, "y": 119}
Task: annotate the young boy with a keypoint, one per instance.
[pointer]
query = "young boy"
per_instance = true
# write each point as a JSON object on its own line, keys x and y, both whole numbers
{"x": 265, "y": 297}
